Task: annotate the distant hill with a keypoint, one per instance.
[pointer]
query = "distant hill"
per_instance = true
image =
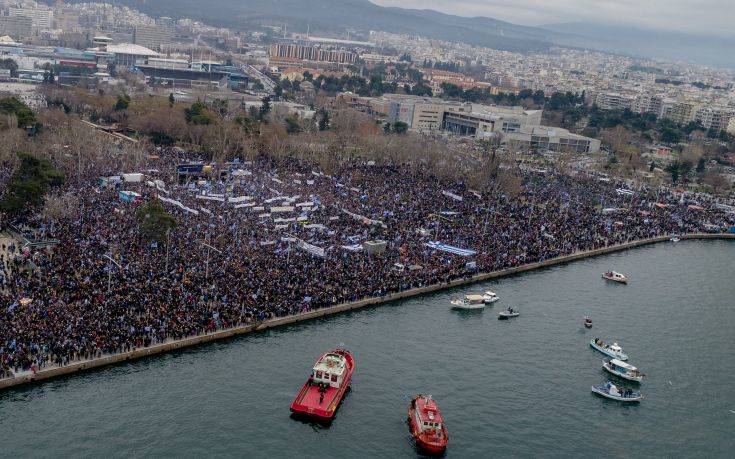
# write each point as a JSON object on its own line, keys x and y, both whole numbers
{"x": 699, "y": 49}
{"x": 335, "y": 16}
{"x": 338, "y": 15}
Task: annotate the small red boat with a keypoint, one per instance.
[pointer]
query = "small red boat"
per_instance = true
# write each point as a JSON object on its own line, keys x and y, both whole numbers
{"x": 427, "y": 425}
{"x": 326, "y": 387}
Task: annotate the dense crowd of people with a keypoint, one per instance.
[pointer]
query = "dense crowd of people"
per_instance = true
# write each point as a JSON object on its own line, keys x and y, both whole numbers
{"x": 279, "y": 238}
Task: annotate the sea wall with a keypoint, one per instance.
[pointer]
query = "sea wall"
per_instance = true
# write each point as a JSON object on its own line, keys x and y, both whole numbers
{"x": 53, "y": 372}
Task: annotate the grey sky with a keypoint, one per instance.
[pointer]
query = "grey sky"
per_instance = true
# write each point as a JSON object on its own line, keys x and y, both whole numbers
{"x": 711, "y": 17}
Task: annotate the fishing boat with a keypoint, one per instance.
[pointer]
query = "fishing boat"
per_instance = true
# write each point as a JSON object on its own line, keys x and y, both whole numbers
{"x": 615, "y": 277}
{"x": 613, "y": 392}
{"x": 622, "y": 369}
{"x": 427, "y": 425}
{"x": 490, "y": 297}
{"x": 588, "y": 321}
{"x": 326, "y": 387}
{"x": 469, "y": 302}
{"x": 611, "y": 350}
{"x": 507, "y": 314}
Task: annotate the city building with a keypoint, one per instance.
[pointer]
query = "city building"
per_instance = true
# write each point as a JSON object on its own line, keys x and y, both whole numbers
{"x": 714, "y": 118}
{"x": 678, "y": 111}
{"x": 614, "y": 101}
{"x": 16, "y": 27}
{"x": 152, "y": 36}
{"x": 129, "y": 55}
{"x": 295, "y": 53}
{"x": 41, "y": 18}
{"x": 543, "y": 138}
{"x": 486, "y": 121}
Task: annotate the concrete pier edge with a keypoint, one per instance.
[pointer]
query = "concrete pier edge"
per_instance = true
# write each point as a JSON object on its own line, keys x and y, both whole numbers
{"x": 83, "y": 365}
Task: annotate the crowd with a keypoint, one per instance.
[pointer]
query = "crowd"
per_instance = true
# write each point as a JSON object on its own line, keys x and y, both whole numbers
{"x": 228, "y": 264}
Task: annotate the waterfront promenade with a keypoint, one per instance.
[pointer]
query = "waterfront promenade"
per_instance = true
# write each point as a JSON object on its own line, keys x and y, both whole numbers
{"x": 170, "y": 345}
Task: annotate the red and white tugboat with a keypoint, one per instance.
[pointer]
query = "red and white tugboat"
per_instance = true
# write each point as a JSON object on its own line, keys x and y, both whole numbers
{"x": 427, "y": 425}
{"x": 326, "y": 387}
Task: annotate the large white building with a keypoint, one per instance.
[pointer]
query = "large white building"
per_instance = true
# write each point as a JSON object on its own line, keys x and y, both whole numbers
{"x": 513, "y": 125}
{"x": 541, "y": 138}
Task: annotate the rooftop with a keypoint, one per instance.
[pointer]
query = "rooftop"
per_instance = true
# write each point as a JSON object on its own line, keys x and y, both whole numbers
{"x": 130, "y": 48}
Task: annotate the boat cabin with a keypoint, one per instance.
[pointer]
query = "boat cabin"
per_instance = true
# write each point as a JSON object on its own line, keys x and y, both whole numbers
{"x": 622, "y": 367}
{"x": 474, "y": 299}
{"x": 427, "y": 414}
{"x": 330, "y": 370}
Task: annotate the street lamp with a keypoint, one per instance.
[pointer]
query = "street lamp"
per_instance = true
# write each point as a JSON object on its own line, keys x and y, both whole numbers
{"x": 209, "y": 249}
{"x": 109, "y": 271}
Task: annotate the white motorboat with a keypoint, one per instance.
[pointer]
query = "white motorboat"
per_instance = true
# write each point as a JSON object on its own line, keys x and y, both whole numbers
{"x": 469, "y": 302}
{"x": 675, "y": 239}
{"x": 507, "y": 314}
{"x": 611, "y": 350}
{"x": 490, "y": 297}
{"x": 613, "y": 392}
{"x": 615, "y": 277}
{"x": 622, "y": 369}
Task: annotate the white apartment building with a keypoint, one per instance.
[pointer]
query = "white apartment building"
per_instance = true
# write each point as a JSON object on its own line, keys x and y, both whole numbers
{"x": 615, "y": 101}
{"x": 715, "y": 118}
{"x": 679, "y": 111}
{"x": 41, "y": 18}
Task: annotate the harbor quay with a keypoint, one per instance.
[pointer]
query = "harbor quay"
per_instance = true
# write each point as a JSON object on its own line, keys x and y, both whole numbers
{"x": 52, "y": 372}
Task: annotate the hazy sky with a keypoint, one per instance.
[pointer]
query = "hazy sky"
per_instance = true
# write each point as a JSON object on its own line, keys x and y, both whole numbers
{"x": 696, "y": 16}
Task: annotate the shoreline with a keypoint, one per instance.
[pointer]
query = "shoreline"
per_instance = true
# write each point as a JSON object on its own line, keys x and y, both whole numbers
{"x": 99, "y": 362}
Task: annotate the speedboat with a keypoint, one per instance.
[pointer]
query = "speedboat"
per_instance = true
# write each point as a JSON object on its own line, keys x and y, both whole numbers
{"x": 508, "y": 313}
{"x": 615, "y": 277}
{"x": 613, "y": 392}
{"x": 622, "y": 369}
{"x": 588, "y": 321}
{"x": 490, "y": 297}
{"x": 469, "y": 302}
{"x": 427, "y": 425}
{"x": 611, "y": 350}
{"x": 327, "y": 385}
{"x": 675, "y": 239}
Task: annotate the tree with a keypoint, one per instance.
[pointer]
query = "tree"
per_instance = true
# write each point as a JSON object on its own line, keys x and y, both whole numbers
{"x": 59, "y": 207}
{"x": 324, "y": 119}
{"x": 399, "y": 127}
{"x": 265, "y": 108}
{"x": 421, "y": 90}
{"x": 123, "y": 102}
{"x": 197, "y": 114}
{"x": 673, "y": 169}
{"x": 700, "y": 165}
{"x": 386, "y": 128}
{"x": 29, "y": 183}
{"x": 292, "y": 125}
{"x": 9, "y": 64}
{"x": 715, "y": 180}
{"x": 171, "y": 99}
{"x": 154, "y": 222}
{"x": 22, "y": 112}
{"x": 49, "y": 77}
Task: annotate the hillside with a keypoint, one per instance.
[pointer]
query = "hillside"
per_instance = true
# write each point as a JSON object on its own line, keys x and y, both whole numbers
{"x": 338, "y": 15}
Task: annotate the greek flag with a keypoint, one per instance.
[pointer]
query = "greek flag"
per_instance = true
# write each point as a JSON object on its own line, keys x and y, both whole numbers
{"x": 436, "y": 245}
